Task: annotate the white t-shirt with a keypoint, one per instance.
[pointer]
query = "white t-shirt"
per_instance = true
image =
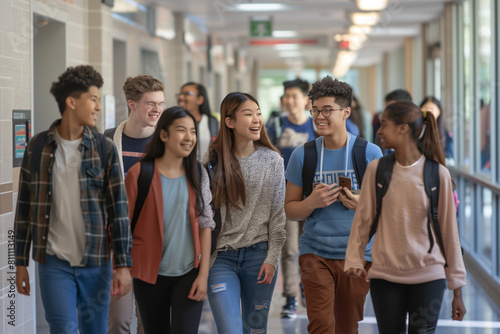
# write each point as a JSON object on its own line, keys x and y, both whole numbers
{"x": 204, "y": 137}
{"x": 66, "y": 238}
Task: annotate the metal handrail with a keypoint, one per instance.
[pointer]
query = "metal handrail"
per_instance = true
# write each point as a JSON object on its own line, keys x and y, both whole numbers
{"x": 454, "y": 171}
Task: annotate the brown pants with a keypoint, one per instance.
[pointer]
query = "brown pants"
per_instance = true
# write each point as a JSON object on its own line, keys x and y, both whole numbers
{"x": 335, "y": 302}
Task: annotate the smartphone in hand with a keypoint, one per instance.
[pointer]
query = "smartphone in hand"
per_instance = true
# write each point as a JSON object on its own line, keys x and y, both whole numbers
{"x": 345, "y": 182}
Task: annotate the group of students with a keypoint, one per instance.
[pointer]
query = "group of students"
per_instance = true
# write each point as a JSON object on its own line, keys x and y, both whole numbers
{"x": 207, "y": 211}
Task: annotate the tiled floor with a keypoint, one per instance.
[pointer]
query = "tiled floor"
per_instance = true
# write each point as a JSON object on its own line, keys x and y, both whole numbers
{"x": 483, "y": 315}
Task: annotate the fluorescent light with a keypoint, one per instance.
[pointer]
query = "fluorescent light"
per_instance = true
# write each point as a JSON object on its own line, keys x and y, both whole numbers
{"x": 259, "y": 7}
{"x": 284, "y": 33}
{"x": 286, "y": 47}
{"x": 365, "y": 19}
{"x": 360, "y": 30}
{"x": 371, "y": 4}
{"x": 343, "y": 63}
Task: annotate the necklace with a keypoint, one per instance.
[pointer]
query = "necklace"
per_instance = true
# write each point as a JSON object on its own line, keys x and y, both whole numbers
{"x": 396, "y": 163}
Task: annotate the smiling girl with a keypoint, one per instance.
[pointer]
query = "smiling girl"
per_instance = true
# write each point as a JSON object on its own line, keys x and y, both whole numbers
{"x": 407, "y": 276}
{"x": 249, "y": 189}
{"x": 171, "y": 239}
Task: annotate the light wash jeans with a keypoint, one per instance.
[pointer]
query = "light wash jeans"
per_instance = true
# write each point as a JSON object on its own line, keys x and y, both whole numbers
{"x": 65, "y": 289}
{"x": 233, "y": 277}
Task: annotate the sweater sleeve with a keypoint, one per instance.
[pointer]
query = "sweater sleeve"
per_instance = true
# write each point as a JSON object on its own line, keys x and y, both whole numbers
{"x": 277, "y": 219}
{"x": 455, "y": 272}
{"x": 363, "y": 220}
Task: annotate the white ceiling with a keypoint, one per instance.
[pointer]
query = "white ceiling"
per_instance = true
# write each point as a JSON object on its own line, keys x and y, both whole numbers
{"x": 312, "y": 19}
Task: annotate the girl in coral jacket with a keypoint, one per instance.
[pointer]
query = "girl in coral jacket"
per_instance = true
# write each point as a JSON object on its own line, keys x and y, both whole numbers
{"x": 407, "y": 276}
{"x": 172, "y": 237}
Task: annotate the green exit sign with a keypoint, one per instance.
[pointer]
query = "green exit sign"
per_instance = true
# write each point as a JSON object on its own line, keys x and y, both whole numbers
{"x": 261, "y": 28}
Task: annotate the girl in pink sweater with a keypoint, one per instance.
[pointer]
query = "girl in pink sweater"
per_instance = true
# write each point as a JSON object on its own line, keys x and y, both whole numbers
{"x": 407, "y": 277}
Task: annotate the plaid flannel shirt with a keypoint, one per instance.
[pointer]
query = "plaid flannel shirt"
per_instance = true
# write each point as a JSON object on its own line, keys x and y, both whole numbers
{"x": 103, "y": 200}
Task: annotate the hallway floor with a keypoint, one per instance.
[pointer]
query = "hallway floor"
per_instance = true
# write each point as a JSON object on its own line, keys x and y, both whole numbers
{"x": 483, "y": 315}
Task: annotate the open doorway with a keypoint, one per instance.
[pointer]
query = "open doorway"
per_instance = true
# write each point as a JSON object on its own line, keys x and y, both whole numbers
{"x": 49, "y": 61}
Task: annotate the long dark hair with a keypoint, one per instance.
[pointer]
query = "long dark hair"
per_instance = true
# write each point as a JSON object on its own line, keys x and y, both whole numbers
{"x": 202, "y": 91}
{"x": 440, "y": 119}
{"x": 404, "y": 112}
{"x": 156, "y": 149}
{"x": 229, "y": 184}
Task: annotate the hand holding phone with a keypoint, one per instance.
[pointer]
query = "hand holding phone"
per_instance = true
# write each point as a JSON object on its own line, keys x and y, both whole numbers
{"x": 345, "y": 182}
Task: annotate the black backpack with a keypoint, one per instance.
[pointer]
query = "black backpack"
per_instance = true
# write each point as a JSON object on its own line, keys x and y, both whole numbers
{"x": 213, "y": 127}
{"x": 431, "y": 181}
{"x": 40, "y": 143}
{"x": 212, "y": 169}
{"x": 311, "y": 157}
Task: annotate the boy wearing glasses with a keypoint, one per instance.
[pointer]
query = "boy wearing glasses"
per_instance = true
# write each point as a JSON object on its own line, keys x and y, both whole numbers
{"x": 287, "y": 132}
{"x": 145, "y": 101}
{"x": 334, "y": 301}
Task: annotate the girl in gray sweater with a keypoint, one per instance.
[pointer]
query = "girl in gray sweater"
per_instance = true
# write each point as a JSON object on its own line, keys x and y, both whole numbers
{"x": 249, "y": 189}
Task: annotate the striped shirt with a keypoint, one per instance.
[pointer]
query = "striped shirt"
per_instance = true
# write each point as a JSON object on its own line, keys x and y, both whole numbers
{"x": 103, "y": 200}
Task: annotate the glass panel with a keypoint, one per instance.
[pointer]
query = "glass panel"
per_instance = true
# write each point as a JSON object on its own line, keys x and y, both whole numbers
{"x": 484, "y": 80}
{"x": 466, "y": 220}
{"x": 485, "y": 232}
{"x": 467, "y": 84}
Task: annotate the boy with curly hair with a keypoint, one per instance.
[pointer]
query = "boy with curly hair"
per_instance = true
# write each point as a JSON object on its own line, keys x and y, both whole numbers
{"x": 70, "y": 191}
{"x": 334, "y": 301}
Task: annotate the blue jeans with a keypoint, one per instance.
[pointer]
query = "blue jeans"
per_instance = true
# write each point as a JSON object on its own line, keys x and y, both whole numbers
{"x": 233, "y": 277}
{"x": 65, "y": 289}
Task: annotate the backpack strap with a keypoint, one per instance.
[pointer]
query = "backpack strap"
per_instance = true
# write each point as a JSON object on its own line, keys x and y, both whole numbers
{"x": 110, "y": 133}
{"x": 213, "y": 127}
{"x": 36, "y": 151}
{"x": 278, "y": 127}
{"x": 359, "y": 158}
{"x": 309, "y": 167}
{"x": 143, "y": 185}
{"x": 211, "y": 168}
{"x": 382, "y": 180}
{"x": 102, "y": 148}
{"x": 431, "y": 181}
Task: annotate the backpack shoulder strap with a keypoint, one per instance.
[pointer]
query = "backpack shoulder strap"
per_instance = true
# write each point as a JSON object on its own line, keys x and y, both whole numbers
{"x": 213, "y": 126}
{"x": 143, "y": 185}
{"x": 431, "y": 182}
{"x": 102, "y": 148}
{"x": 382, "y": 180}
{"x": 36, "y": 151}
{"x": 309, "y": 167}
{"x": 110, "y": 133}
{"x": 359, "y": 158}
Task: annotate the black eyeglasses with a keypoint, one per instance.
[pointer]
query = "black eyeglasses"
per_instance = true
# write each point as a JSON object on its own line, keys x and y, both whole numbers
{"x": 185, "y": 94}
{"x": 325, "y": 112}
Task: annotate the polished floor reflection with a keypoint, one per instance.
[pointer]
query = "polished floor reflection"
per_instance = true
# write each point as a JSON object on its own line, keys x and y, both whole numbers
{"x": 483, "y": 315}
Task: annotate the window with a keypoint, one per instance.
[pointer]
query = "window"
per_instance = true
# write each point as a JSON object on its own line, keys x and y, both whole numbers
{"x": 468, "y": 84}
{"x": 484, "y": 55}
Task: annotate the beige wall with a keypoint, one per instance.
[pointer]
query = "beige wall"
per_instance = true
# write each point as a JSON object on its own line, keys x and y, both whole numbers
{"x": 15, "y": 83}
{"x": 87, "y": 30}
